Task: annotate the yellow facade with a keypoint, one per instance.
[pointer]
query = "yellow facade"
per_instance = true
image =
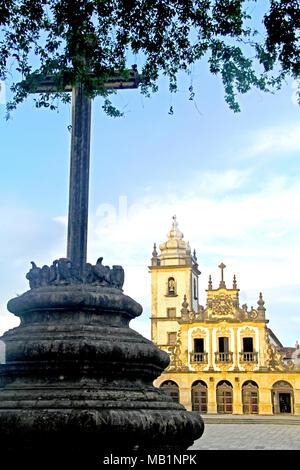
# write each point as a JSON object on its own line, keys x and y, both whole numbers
{"x": 223, "y": 357}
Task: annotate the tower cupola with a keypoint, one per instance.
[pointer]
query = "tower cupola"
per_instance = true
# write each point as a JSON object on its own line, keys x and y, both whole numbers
{"x": 175, "y": 251}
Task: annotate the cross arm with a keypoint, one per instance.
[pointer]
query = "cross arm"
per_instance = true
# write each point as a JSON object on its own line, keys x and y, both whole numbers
{"x": 34, "y": 84}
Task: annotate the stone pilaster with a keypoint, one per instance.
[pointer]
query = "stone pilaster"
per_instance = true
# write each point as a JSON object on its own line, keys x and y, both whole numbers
{"x": 237, "y": 407}
{"x": 265, "y": 401}
{"x": 235, "y": 349}
{"x": 211, "y": 396}
{"x": 186, "y": 398}
{"x": 211, "y": 350}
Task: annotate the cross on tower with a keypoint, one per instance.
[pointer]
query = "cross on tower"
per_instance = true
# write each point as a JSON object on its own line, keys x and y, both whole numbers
{"x": 80, "y": 159}
{"x": 222, "y": 283}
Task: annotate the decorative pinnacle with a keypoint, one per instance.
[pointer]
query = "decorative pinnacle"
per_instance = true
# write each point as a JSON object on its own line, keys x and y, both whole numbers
{"x": 194, "y": 254}
{"x": 234, "y": 286}
{"x": 185, "y": 303}
{"x": 184, "y": 310}
{"x": 175, "y": 232}
{"x": 261, "y": 302}
{"x": 209, "y": 283}
{"x": 222, "y": 283}
{"x": 154, "y": 252}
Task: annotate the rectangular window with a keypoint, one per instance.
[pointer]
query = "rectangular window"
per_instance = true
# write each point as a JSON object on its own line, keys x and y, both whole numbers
{"x": 223, "y": 345}
{"x": 171, "y": 312}
{"x": 248, "y": 344}
{"x": 198, "y": 345}
{"x": 172, "y": 337}
{"x": 195, "y": 290}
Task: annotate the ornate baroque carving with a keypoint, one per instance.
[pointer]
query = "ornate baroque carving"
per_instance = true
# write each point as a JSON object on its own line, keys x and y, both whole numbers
{"x": 199, "y": 332}
{"x": 249, "y": 366}
{"x": 176, "y": 364}
{"x": 275, "y": 358}
{"x": 251, "y": 315}
{"x": 199, "y": 366}
{"x": 62, "y": 272}
{"x": 192, "y": 316}
{"x": 222, "y": 305}
{"x": 247, "y": 331}
{"x": 224, "y": 331}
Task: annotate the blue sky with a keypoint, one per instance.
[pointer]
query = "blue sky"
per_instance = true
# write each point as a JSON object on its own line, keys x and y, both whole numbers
{"x": 231, "y": 179}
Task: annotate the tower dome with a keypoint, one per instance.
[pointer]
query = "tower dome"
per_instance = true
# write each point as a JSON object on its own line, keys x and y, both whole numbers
{"x": 175, "y": 251}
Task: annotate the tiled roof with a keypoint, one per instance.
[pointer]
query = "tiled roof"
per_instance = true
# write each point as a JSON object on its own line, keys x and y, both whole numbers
{"x": 288, "y": 351}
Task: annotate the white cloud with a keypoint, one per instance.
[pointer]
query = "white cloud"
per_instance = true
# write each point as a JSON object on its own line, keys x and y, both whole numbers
{"x": 141, "y": 326}
{"x": 278, "y": 140}
{"x": 254, "y": 234}
{"x": 61, "y": 220}
{"x": 213, "y": 183}
{"x": 276, "y": 234}
{"x": 8, "y": 321}
{"x": 257, "y": 217}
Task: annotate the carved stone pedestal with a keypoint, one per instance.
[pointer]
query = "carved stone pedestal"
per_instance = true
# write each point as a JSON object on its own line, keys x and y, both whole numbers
{"x": 79, "y": 379}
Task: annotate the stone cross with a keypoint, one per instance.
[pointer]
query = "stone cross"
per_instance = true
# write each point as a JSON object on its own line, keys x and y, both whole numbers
{"x": 80, "y": 160}
{"x": 222, "y": 266}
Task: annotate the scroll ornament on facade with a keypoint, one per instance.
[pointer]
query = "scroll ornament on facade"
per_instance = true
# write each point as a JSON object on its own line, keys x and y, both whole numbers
{"x": 252, "y": 314}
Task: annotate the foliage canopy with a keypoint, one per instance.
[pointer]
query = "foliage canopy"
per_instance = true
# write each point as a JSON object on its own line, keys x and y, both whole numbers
{"x": 69, "y": 39}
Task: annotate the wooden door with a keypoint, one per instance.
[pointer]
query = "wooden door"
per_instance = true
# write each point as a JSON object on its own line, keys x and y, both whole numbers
{"x": 224, "y": 399}
{"x": 199, "y": 398}
{"x": 250, "y": 399}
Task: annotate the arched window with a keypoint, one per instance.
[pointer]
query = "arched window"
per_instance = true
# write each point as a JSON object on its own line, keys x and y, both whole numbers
{"x": 199, "y": 396}
{"x": 171, "y": 388}
{"x": 171, "y": 286}
{"x": 282, "y": 397}
{"x": 250, "y": 398}
{"x": 224, "y": 397}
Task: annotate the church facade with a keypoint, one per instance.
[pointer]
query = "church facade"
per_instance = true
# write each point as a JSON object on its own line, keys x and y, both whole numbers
{"x": 223, "y": 357}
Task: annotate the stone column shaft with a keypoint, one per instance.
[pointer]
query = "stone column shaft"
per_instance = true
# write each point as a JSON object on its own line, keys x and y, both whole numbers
{"x": 79, "y": 178}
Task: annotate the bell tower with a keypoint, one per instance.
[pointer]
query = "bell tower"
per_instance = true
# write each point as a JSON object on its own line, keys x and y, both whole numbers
{"x": 174, "y": 274}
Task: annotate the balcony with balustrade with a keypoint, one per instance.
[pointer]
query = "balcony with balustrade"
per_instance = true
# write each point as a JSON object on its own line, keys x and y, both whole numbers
{"x": 199, "y": 357}
{"x": 248, "y": 357}
{"x": 223, "y": 357}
